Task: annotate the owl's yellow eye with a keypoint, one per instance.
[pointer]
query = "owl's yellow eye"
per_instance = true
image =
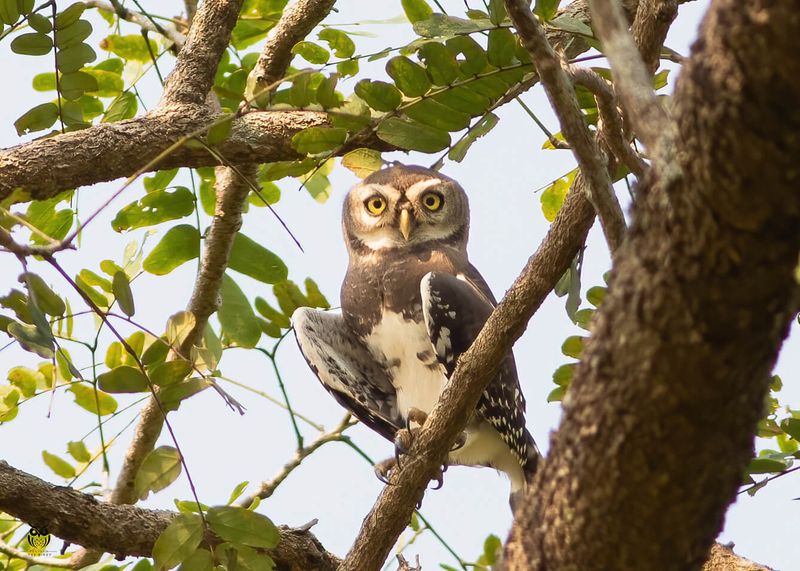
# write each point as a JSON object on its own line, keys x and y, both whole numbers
{"x": 375, "y": 205}
{"x": 433, "y": 201}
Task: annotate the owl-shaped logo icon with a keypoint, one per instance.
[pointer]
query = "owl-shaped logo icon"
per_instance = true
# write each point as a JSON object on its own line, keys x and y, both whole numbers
{"x": 38, "y": 539}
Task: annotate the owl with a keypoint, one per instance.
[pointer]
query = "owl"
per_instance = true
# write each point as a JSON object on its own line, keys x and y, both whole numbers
{"x": 411, "y": 304}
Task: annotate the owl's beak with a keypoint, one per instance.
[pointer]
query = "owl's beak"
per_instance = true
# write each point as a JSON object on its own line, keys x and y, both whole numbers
{"x": 405, "y": 223}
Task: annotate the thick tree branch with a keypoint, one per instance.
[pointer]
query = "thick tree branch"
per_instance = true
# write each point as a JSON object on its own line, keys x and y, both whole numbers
{"x": 122, "y": 529}
{"x": 701, "y": 297}
{"x": 650, "y": 27}
{"x": 632, "y": 79}
{"x": 392, "y": 511}
{"x": 298, "y": 21}
{"x": 191, "y": 80}
{"x": 43, "y": 168}
{"x": 561, "y": 94}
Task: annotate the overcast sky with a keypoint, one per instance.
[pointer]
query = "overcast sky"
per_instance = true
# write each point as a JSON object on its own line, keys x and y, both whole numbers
{"x": 502, "y": 175}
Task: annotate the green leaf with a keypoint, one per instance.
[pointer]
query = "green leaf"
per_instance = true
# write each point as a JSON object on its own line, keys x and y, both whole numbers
{"x": 326, "y": 92}
{"x": 553, "y": 198}
{"x": 75, "y": 57}
{"x": 160, "y": 180}
{"x": 272, "y": 314}
{"x": 40, "y": 23}
{"x": 239, "y": 323}
{"x": 500, "y": 49}
{"x": 252, "y": 259}
{"x": 219, "y": 132}
{"x": 459, "y": 150}
{"x": 239, "y": 525}
{"x": 172, "y": 395}
{"x": 546, "y": 9}
{"x": 154, "y": 208}
{"x": 9, "y": 397}
{"x": 339, "y": 42}
{"x": 200, "y": 560}
{"x": 46, "y": 299}
{"x": 237, "y": 491}
{"x": 32, "y": 44}
{"x": 474, "y": 58}
{"x": 573, "y": 346}
{"x": 766, "y": 466}
{"x": 439, "y": 25}
{"x": 58, "y": 465}
{"x": 596, "y": 295}
{"x": 123, "y": 379}
{"x": 311, "y": 52}
{"x": 563, "y": 375}
{"x": 123, "y": 107}
{"x": 289, "y": 297}
{"x": 77, "y": 450}
{"x": 32, "y": 338}
{"x": 353, "y": 114}
{"x": 791, "y": 426}
{"x": 314, "y": 140}
{"x": 492, "y": 546}
{"x": 75, "y": 84}
{"x": 178, "y": 541}
{"x": 410, "y": 77}
{"x": 660, "y": 79}
{"x": 314, "y": 296}
{"x": 416, "y": 10}
{"x": 109, "y": 84}
{"x": 122, "y": 291}
{"x": 440, "y": 63}
{"x": 156, "y": 353}
{"x": 412, "y": 135}
{"x": 379, "y": 95}
{"x": 69, "y": 15}
{"x": 26, "y": 380}
{"x": 97, "y": 298}
{"x": 556, "y": 394}
{"x": 169, "y": 372}
{"x": 572, "y": 25}
{"x": 9, "y": 11}
{"x": 179, "y": 325}
{"x": 436, "y": 115}
{"x": 160, "y": 468}
{"x": 44, "y": 81}
{"x": 95, "y": 401}
{"x": 179, "y": 245}
{"x": 73, "y": 34}
{"x": 130, "y": 47}
{"x": 247, "y": 32}
{"x": 37, "y": 119}
{"x": 362, "y": 162}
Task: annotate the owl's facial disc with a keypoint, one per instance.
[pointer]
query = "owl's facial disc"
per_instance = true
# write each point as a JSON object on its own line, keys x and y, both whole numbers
{"x": 403, "y": 207}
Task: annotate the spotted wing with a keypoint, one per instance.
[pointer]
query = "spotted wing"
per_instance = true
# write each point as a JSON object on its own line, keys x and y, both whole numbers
{"x": 455, "y": 310}
{"x": 347, "y": 370}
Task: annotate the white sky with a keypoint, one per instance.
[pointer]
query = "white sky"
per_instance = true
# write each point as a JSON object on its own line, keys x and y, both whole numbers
{"x": 501, "y": 175}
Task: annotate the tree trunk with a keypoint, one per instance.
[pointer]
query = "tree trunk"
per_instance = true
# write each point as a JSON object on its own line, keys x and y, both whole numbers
{"x": 658, "y": 424}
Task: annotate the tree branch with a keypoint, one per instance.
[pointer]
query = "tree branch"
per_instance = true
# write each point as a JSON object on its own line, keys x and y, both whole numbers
{"x": 123, "y": 529}
{"x": 632, "y": 80}
{"x": 700, "y": 300}
{"x": 141, "y": 20}
{"x": 476, "y": 367}
{"x": 191, "y": 80}
{"x": 298, "y": 21}
{"x": 561, "y": 94}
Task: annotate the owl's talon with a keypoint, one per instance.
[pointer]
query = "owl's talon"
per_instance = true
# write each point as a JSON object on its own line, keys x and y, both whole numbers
{"x": 383, "y": 470}
{"x": 459, "y": 443}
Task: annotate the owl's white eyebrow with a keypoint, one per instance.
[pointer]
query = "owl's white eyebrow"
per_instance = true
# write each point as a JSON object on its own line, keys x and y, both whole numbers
{"x": 418, "y": 187}
{"x": 384, "y": 189}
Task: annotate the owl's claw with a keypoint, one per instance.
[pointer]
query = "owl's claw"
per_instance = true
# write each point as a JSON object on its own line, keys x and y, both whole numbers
{"x": 383, "y": 470}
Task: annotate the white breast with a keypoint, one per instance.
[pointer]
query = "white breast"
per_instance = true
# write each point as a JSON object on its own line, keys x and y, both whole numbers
{"x": 399, "y": 342}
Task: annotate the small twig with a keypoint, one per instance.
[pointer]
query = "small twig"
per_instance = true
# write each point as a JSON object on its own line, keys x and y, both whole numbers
{"x": 140, "y": 19}
{"x": 268, "y": 487}
{"x": 610, "y": 130}
{"x": 561, "y": 93}
{"x": 550, "y": 137}
{"x": 631, "y": 77}
{"x": 766, "y": 481}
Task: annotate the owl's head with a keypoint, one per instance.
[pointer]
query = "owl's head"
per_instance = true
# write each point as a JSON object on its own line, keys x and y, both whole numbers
{"x": 405, "y": 207}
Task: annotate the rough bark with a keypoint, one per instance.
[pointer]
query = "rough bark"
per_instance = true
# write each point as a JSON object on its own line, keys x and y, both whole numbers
{"x": 123, "y": 529}
{"x": 701, "y": 295}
